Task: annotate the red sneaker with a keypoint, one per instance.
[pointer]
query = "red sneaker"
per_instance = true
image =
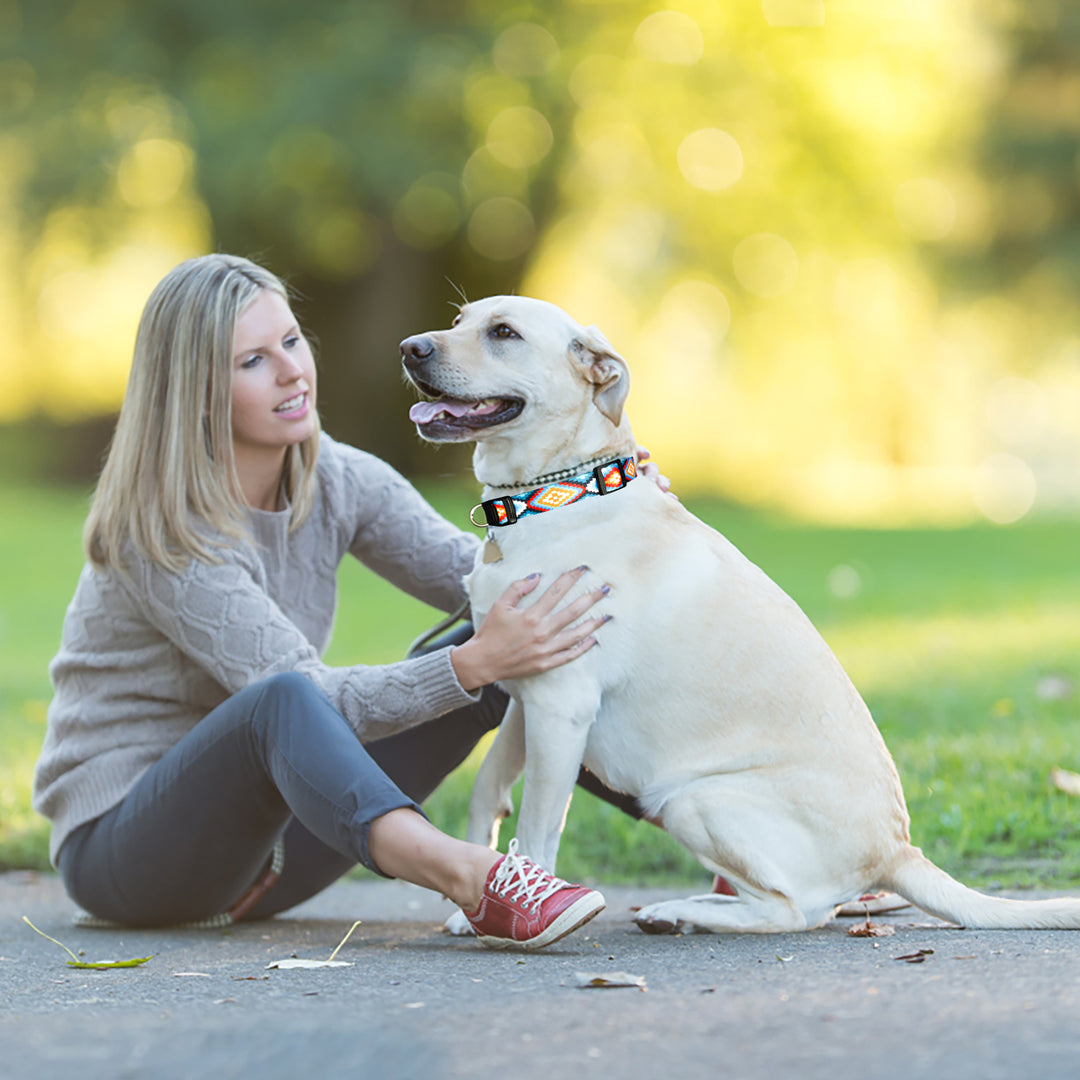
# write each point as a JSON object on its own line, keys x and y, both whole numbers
{"x": 722, "y": 887}
{"x": 525, "y": 906}
{"x": 875, "y": 903}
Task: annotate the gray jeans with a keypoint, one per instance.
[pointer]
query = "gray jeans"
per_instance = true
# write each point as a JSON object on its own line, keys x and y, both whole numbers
{"x": 275, "y": 760}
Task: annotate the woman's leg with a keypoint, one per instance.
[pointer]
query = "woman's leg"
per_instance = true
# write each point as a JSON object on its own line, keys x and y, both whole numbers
{"x": 196, "y": 830}
{"x": 417, "y": 760}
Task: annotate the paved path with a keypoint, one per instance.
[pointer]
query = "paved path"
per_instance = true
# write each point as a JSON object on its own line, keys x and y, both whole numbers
{"x": 417, "y": 1004}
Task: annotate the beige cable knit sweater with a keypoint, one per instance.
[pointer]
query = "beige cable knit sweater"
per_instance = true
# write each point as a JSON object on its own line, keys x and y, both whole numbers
{"x": 144, "y": 658}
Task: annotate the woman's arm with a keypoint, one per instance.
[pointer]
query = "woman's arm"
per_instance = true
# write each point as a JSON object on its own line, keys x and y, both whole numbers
{"x": 394, "y": 531}
{"x": 225, "y": 622}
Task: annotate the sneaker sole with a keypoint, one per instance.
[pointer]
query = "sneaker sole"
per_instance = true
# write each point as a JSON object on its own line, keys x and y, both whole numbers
{"x": 575, "y": 916}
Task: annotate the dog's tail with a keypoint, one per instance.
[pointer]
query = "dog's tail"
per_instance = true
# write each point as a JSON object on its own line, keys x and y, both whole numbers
{"x": 917, "y": 879}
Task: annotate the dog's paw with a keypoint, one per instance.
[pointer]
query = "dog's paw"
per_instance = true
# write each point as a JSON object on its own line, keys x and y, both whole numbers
{"x": 458, "y": 925}
{"x": 654, "y": 919}
{"x": 656, "y": 926}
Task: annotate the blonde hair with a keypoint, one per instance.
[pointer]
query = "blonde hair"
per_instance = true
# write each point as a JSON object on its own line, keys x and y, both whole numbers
{"x": 169, "y": 487}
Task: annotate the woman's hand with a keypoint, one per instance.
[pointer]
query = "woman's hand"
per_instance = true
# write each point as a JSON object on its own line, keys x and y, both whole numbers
{"x": 649, "y": 470}
{"x": 513, "y": 642}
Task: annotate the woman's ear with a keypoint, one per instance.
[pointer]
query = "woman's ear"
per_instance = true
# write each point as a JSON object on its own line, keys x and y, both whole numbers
{"x": 605, "y": 369}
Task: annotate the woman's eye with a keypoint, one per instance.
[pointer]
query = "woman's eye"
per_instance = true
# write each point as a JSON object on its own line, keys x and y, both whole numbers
{"x": 251, "y": 361}
{"x": 290, "y": 342}
{"x": 503, "y": 331}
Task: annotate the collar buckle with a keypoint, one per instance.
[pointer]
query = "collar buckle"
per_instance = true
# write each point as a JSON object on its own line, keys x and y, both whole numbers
{"x": 497, "y": 512}
{"x": 601, "y": 484}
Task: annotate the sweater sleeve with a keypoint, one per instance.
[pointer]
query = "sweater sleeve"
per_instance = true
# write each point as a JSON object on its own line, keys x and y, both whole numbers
{"x": 221, "y": 618}
{"x": 396, "y": 533}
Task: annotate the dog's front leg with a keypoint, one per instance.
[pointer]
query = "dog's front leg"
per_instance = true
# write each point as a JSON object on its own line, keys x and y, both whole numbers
{"x": 491, "y": 799}
{"x": 555, "y": 740}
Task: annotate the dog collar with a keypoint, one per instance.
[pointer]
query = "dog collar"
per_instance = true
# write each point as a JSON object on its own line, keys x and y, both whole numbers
{"x": 602, "y": 480}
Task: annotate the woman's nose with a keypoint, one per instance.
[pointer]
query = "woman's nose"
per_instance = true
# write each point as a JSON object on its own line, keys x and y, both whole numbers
{"x": 288, "y": 370}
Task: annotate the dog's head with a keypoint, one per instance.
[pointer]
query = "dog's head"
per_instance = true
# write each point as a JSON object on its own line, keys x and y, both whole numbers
{"x": 522, "y": 374}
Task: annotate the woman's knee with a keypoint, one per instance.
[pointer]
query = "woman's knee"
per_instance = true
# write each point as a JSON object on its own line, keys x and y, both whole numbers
{"x": 278, "y": 704}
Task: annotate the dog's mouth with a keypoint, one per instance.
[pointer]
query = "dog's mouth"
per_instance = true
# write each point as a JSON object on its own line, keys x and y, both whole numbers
{"x": 444, "y": 418}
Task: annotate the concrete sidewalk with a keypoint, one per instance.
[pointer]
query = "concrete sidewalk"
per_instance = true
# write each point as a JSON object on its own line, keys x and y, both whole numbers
{"x": 418, "y": 1004}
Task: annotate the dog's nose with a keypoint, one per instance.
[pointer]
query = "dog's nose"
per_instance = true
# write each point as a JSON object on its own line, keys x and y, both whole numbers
{"x": 417, "y": 350}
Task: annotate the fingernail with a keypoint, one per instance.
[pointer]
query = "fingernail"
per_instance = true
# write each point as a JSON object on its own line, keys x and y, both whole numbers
{"x": 605, "y": 589}
{"x": 580, "y": 569}
{"x": 532, "y": 577}
{"x": 608, "y": 618}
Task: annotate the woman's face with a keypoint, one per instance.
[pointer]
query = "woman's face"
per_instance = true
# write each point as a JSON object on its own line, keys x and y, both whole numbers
{"x": 273, "y": 385}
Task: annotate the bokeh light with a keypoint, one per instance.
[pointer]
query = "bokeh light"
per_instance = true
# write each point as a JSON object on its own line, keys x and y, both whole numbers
{"x": 501, "y": 228}
{"x": 670, "y": 37}
{"x": 710, "y": 159}
{"x": 852, "y": 232}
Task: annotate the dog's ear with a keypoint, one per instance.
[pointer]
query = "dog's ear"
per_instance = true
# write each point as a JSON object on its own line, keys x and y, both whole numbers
{"x": 605, "y": 369}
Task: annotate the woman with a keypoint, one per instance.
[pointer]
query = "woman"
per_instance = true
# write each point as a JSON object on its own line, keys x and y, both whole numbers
{"x": 194, "y": 730}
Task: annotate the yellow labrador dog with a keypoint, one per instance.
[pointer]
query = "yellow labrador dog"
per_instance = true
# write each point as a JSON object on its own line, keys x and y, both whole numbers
{"x": 711, "y": 697}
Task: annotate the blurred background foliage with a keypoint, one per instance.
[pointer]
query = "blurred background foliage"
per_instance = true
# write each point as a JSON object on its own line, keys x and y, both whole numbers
{"x": 838, "y": 242}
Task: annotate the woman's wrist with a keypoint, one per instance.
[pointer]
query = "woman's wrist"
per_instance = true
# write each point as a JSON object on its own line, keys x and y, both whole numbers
{"x": 468, "y": 667}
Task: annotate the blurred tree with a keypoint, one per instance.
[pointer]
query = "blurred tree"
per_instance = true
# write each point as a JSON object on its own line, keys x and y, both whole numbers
{"x": 329, "y": 141}
{"x": 845, "y": 230}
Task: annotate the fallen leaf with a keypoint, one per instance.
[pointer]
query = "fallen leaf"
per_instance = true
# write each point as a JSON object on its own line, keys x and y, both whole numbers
{"x": 93, "y": 965}
{"x": 964, "y": 958}
{"x": 249, "y": 978}
{"x": 585, "y": 980}
{"x": 784, "y": 959}
{"x": 1066, "y": 781}
{"x": 291, "y": 963}
{"x": 915, "y": 957}
{"x": 344, "y": 939}
{"x": 869, "y": 929}
{"x": 190, "y": 975}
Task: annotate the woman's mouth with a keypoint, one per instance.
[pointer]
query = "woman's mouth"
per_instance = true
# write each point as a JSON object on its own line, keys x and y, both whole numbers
{"x": 294, "y": 405}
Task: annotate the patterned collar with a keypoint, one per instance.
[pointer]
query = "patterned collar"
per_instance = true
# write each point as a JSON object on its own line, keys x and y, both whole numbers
{"x": 612, "y": 476}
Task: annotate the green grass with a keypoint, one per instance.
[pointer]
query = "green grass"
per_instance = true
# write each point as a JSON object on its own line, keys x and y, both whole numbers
{"x": 947, "y": 636}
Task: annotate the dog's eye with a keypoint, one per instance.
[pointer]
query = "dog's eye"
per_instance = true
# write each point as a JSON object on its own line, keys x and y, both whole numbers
{"x": 501, "y": 330}
{"x": 457, "y": 319}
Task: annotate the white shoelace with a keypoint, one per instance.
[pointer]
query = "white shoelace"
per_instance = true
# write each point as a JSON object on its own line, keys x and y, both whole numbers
{"x": 519, "y": 879}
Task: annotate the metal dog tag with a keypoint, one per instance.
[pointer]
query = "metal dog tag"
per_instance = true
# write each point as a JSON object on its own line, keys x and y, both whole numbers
{"x": 492, "y": 551}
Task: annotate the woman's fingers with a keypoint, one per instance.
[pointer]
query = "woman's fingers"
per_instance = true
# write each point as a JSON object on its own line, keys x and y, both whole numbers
{"x": 557, "y": 590}
{"x": 573, "y": 611}
{"x": 516, "y": 590}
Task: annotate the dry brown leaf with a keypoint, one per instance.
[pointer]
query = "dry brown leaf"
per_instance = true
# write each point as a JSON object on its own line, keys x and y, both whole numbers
{"x": 1066, "y": 781}
{"x": 587, "y": 980}
{"x": 915, "y": 957}
{"x": 869, "y": 929}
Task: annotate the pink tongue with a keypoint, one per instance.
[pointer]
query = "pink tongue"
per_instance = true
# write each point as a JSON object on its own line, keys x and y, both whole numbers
{"x": 423, "y": 412}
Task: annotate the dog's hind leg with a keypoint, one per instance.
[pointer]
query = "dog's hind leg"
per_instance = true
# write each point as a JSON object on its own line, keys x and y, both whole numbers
{"x": 767, "y": 856}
